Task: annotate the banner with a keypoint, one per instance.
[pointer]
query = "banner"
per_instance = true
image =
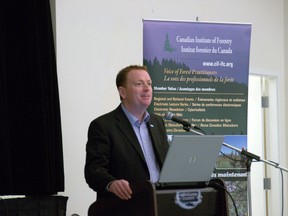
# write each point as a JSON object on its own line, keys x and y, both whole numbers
{"x": 200, "y": 74}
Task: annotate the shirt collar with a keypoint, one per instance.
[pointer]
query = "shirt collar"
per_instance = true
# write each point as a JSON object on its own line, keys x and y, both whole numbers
{"x": 133, "y": 120}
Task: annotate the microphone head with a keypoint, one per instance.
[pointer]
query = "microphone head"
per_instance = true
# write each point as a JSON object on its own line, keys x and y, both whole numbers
{"x": 168, "y": 115}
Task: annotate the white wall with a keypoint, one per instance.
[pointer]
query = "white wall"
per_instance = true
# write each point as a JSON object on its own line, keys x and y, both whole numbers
{"x": 97, "y": 38}
{"x": 286, "y": 63}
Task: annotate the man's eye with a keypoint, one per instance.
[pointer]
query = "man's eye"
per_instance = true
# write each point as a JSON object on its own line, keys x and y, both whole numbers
{"x": 140, "y": 84}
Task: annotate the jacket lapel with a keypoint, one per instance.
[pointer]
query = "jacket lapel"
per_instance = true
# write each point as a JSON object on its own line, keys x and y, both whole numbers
{"x": 156, "y": 140}
{"x": 126, "y": 128}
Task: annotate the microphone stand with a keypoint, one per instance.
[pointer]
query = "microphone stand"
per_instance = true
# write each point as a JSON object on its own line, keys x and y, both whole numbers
{"x": 249, "y": 158}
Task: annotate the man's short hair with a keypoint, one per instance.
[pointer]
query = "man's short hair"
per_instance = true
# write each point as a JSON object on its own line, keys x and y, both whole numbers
{"x": 122, "y": 74}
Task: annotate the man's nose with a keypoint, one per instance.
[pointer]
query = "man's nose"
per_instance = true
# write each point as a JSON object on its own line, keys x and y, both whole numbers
{"x": 146, "y": 86}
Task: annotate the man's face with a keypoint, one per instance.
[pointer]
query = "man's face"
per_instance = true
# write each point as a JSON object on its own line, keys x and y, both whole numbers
{"x": 137, "y": 93}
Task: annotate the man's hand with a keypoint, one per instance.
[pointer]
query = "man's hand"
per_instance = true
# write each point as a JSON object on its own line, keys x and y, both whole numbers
{"x": 121, "y": 189}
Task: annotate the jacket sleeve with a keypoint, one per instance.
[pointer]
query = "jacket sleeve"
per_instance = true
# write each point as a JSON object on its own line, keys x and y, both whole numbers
{"x": 97, "y": 158}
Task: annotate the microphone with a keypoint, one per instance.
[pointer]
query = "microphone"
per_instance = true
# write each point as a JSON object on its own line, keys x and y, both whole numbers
{"x": 171, "y": 116}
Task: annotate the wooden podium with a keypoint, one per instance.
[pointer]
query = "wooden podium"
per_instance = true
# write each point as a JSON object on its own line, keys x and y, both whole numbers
{"x": 149, "y": 200}
{"x": 187, "y": 201}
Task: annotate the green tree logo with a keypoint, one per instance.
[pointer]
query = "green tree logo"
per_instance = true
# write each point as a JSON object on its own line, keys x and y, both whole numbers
{"x": 167, "y": 45}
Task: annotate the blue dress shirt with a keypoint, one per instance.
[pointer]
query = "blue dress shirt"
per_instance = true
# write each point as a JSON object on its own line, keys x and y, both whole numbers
{"x": 142, "y": 133}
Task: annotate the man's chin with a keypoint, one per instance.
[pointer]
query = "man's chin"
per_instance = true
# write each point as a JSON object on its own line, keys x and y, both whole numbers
{"x": 146, "y": 103}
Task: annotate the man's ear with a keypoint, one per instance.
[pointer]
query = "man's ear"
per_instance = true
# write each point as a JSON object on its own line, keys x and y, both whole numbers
{"x": 122, "y": 92}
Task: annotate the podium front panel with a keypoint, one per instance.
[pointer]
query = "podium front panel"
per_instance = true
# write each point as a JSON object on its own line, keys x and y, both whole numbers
{"x": 188, "y": 202}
